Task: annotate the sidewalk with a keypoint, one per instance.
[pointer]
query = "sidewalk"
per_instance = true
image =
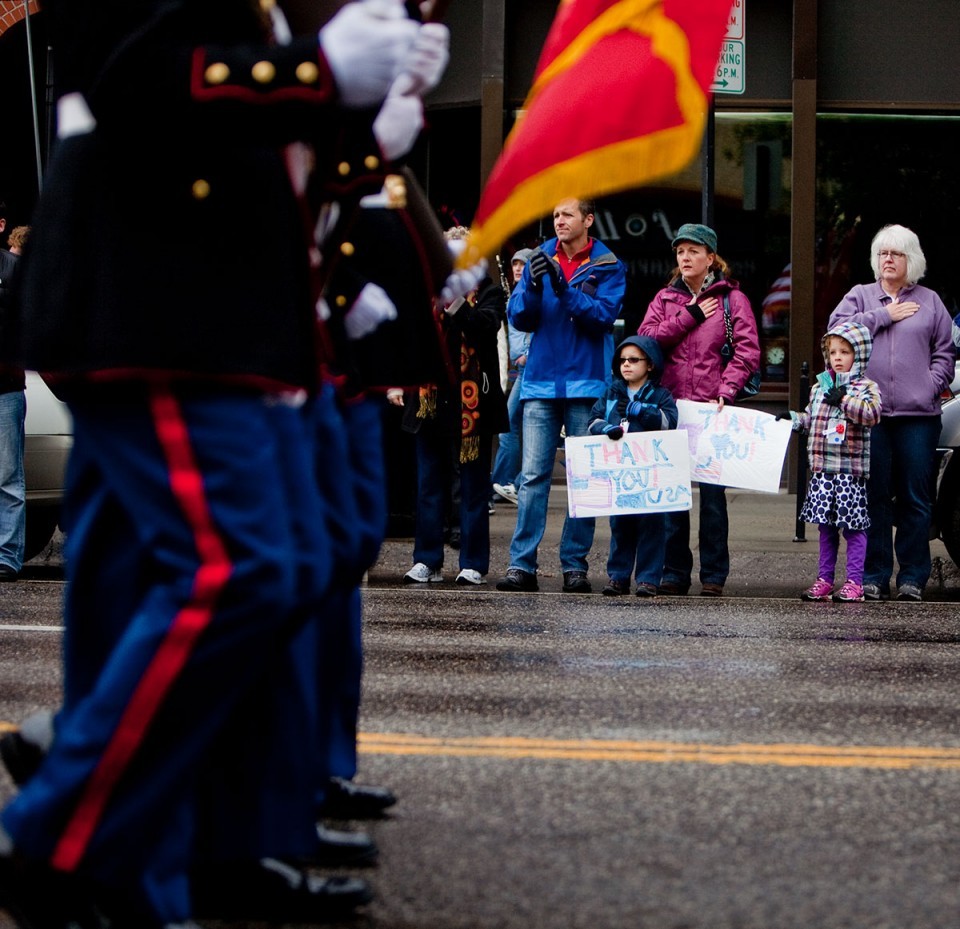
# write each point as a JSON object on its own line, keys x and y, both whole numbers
{"x": 765, "y": 561}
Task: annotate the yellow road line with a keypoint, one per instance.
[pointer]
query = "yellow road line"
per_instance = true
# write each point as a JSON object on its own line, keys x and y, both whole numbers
{"x": 776, "y": 754}
{"x": 782, "y": 754}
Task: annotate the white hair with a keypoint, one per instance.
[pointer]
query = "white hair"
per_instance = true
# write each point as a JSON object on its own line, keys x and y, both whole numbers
{"x": 899, "y": 239}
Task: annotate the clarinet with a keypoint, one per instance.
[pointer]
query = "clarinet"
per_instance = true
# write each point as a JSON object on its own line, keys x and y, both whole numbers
{"x": 504, "y": 283}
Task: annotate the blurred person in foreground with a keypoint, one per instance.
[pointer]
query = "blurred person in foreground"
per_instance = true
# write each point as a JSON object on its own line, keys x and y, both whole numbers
{"x": 196, "y": 546}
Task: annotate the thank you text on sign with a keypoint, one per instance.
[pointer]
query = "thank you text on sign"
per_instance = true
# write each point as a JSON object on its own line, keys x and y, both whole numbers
{"x": 644, "y": 472}
{"x": 735, "y": 446}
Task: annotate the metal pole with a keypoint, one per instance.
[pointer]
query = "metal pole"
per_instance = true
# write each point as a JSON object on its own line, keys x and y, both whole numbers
{"x": 51, "y": 129}
{"x": 33, "y": 95}
{"x": 708, "y": 166}
{"x": 801, "y": 526}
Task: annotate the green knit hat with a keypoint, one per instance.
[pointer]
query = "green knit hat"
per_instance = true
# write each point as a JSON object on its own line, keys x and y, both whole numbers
{"x": 698, "y": 234}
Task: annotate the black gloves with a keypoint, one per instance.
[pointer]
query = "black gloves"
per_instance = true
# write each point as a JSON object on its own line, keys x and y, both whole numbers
{"x": 784, "y": 415}
{"x": 599, "y": 427}
{"x": 835, "y": 394}
{"x": 540, "y": 267}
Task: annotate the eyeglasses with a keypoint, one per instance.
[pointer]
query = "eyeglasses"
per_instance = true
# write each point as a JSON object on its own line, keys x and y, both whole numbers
{"x": 888, "y": 253}
{"x": 631, "y": 361}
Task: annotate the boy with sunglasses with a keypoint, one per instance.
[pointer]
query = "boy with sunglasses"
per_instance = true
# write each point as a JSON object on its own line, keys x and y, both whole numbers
{"x": 635, "y": 402}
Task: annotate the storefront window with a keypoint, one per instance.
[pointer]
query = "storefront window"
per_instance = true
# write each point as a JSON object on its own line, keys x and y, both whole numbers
{"x": 875, "y": 169}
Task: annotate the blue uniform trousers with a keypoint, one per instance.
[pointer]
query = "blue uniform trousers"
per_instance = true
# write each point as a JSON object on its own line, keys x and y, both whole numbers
{"x": 350, "y": 474}
{"x": 214, "y": 498}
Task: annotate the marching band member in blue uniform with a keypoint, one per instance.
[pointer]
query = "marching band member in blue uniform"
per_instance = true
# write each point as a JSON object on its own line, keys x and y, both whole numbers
{"x": 184, "y": 372}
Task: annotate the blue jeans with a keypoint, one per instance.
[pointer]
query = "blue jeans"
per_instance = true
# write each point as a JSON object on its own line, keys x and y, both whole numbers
{"x": 433, "y": 464}
{"x": 506, "y": 466}
{"x": 900, "y": 491}
{"x": 637, "y": 543}
{"x": 542, "y": 421}
{"x": 714, "y": 553}
{"x": 13, "y": 493}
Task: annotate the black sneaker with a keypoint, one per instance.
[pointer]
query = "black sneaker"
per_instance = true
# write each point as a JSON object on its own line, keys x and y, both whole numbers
{"x": 575, "y": 582}
{"x": 518, "y": 581}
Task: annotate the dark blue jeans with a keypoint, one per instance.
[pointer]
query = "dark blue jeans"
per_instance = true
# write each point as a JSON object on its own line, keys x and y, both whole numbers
{"x": 637, "y": 543}
{"x": 714, "y": 553}
{"x": 900, "y": 492}
{"x": 433, "y": 465}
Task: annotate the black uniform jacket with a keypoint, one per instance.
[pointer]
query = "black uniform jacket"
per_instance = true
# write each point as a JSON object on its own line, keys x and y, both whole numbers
{"x": 169, "y": 240}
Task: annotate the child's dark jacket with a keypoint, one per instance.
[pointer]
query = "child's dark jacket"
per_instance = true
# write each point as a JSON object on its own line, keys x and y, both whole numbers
{"x": 659, "y": 409}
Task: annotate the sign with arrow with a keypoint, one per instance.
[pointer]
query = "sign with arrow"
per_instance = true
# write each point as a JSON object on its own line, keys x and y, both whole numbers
{"x": 731, "y": 66}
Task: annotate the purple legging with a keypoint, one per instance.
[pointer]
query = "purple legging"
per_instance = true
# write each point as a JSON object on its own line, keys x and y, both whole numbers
{"x": 830, "y": 548}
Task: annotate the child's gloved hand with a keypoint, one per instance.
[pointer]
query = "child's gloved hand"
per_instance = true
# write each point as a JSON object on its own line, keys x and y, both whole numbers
{"x": 793, "y": 417}
{"x": 636, "y": 408}
{"x": 834, "y": 395}
{"x": 613, "y": 432}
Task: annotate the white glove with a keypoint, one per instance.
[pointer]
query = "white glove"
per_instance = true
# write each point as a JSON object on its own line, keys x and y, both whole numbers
{"x": 460, "y": 283}
{"x": 366, "y": 44}
{"x": 425, "y": 63}
{"x": 371, "y": 308}
{"x": 397, "y": 125}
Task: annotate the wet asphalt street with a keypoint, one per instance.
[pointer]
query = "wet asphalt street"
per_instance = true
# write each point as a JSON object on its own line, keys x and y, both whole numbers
{"x": 578, "y": 761}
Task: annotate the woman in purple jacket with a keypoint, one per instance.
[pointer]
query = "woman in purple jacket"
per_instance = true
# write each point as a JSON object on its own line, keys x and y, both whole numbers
{"x": 687, "y": 319}
{"x": 912, "y": 361}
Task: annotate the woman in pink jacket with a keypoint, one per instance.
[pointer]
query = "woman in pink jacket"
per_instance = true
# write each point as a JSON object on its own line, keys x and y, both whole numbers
{"x": 687, "y": 319}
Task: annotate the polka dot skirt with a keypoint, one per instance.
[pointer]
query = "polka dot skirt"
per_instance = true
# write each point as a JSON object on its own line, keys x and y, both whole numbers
{"x": 836, "y": 500}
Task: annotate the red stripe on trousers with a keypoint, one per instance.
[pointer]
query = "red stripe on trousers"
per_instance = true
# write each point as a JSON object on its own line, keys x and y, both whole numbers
{"x": 177, "y": 646}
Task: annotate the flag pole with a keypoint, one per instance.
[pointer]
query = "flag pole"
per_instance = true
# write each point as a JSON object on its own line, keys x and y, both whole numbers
{"x": 33, "y": 95}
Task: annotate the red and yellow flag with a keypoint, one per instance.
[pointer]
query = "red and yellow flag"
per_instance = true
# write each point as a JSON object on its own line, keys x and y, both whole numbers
{"x": 619, "y": 97}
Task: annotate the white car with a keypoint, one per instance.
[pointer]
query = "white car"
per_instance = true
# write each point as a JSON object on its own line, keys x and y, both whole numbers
{"x": 49, "y": 438}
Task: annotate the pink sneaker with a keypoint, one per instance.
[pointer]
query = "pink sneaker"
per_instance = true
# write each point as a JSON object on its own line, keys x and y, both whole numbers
{"x": 849, "y": 593}
{"x": 820, "y": 590}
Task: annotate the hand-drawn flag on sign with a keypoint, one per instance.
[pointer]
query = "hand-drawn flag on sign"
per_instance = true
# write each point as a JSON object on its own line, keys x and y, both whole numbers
{"x": 619, "y": 97}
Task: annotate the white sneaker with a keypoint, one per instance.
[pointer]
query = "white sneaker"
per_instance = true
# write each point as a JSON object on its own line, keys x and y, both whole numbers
{"x": 421, "y": 574}
{"x": 469, "y": 576}
{"x": 507, "y": 491}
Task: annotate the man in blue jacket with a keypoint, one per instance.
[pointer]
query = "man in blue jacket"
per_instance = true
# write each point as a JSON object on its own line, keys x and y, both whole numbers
{"x": 569, "y": 297}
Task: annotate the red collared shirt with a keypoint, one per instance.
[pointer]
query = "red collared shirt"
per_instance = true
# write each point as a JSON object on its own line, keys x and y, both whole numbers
{"x": 569, "y": 266}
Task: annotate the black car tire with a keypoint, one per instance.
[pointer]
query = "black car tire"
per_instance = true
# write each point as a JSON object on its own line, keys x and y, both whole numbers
{"x": 41, "y": 525}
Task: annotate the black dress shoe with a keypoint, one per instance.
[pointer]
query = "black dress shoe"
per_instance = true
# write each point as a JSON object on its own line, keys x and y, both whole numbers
{"x": 274, "y": 891}
{"x": 7, "y": 573}
{"x": 346, "y": 800}
{"x": 338, "y": 849}
{"x": 38, "y": 897}
{"x": 20, "y": 757}
{"x": 23, "y": 750}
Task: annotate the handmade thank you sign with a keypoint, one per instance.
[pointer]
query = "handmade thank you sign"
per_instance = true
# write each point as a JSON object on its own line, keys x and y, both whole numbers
{"x": 735, "y": 446}
{"x": 644, "y": 472}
